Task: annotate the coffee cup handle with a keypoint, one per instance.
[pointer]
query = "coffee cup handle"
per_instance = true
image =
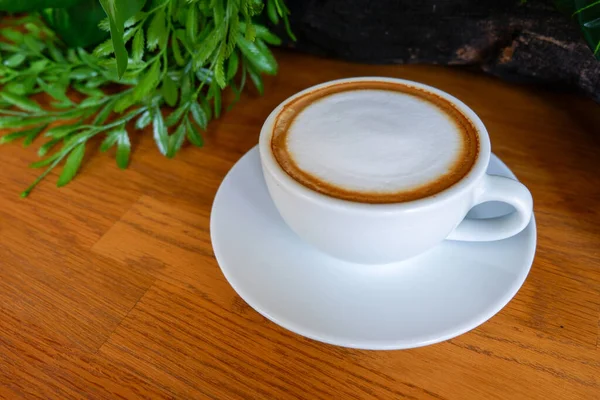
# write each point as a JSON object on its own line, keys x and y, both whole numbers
{"x": 506, "y": 190}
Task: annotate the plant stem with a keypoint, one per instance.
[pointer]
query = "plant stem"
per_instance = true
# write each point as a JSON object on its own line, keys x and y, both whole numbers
{"x": 26, "y": 192}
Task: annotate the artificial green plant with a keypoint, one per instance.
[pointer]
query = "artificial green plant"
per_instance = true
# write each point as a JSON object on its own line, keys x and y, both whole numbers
{"x": 175, "y": 55}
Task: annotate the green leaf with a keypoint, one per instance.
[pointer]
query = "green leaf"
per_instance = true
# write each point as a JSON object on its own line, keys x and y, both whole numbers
{"x": 105, "y": 48}
{"x": 268, "y": 57}
{"x": 192, "y": 24}
{"x": 218, "y": 11}
{"x": 234, "y": 31}
{"x": 597, "y": 49}
{"x": 582, "y": 9}
{"x": 24, "y": 133}
{"x": 181, "y": 36}
{"x": 135, "y": 15}
{"x": 255, "y": 7}
{"x": 156, "y": 4}
{"x": 71, "y": 165}
{"x": 38, "y": 66}
{"x": 123, "y": 148}
{"x": 61, "y": 131}
{"x": 104, "y": 24}
{"x": 12, "y": 137}
{"x": 14, "y": 60}
{"x": 11, "y": 48}
{"x": 265, "y": 34}
{"x": 138, "y": 46}
{"x": 250, "y": 32}
{"x": 587, "y": 14}
{"x": 20, "y": 122}
{"x": 55, "y": 90}
{"x": 175, "y": 116}
{"x": 216, "y": 93}
{"x": 79, "y": 137}
{"x": 279, "y": 8}
{"x": 91, "y": 102}
{"x": 109, "y": 68}
{"x": 46, "y": 147}
{"x": 72, "y": 56}
{"x": 199, "y": 115}
{"x": 144, "y": 120}
{"x": 33, "y": 134}
{"x": 148, "y": 82}
{"x": 204, "y": 75}
{"x": 176, "y": 141}
{"x": 82, "y": 73}
{"x": 206, "y": 107}
{"x": 193, "y": 135}
{"x": 91, "y": 86}
{"x": 186, "y": 88}
{"x": 272, "y": 12}
{"x": 33, "y": 28}
{"x": 258, "y": 55}
{"x": 134, "y": 69}
{"x": 33, "y": 44}
{"x": 124, "y": 102}
{"x": 88, "y": 90}
{"x": 20, "y": 101}
{"x": 208, "y": 47}
{"x": 157, "y": 31}
{"x": 23, "y": 86}
{"x": 110, "y": 140}
{"x": 219, "y": 67}
{"x": 105, "y": 112}
{"x": 161, "y": 136}
{"x": 87, "y": 58}
{"x": 55, "y": 53}
{"x": 118, "y": 11}
{"x": 179, "y": 13}
{"x": 286, "y": 21}
{"x": 204, "y": 5}
{"x": 257, "y": 80}
{"x": 46, "y": 161}
{"x": 232, "y": 66}
{"x": 592, "y": 24}
{"x": 169, "y": 91}
{"x": 14, "y": 36}
{"x": 176, "y": 51}
{"x": 129, "y": 34}
{"x": 77, "y": 113}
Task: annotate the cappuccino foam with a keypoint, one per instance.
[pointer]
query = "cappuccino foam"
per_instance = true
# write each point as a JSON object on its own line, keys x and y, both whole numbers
{"x": 374, "y": 142}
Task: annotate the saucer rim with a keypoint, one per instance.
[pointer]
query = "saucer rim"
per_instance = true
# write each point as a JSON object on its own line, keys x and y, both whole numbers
{"x": 402, "y": 344}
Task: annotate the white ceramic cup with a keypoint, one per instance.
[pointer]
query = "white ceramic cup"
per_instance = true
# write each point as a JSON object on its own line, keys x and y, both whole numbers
{"x": 383, "y": 233}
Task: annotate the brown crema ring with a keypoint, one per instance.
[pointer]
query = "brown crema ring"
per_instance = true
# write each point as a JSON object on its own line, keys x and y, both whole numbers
{"x": 462, "y": 166}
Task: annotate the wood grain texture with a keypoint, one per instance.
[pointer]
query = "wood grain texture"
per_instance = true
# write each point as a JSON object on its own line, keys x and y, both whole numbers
{"x": 109, "y": 287}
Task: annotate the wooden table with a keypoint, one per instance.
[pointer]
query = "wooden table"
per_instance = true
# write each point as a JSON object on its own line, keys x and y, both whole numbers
{"x": 109, "y": 287}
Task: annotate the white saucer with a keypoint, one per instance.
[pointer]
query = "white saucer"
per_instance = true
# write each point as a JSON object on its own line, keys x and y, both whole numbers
{"x": 434, "y": 297}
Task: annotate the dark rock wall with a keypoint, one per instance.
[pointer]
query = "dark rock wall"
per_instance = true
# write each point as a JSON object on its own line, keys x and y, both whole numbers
{"x": 531, "y": 41}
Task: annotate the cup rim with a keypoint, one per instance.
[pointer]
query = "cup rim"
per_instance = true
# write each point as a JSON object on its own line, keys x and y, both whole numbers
{"x": 271, "y": 166}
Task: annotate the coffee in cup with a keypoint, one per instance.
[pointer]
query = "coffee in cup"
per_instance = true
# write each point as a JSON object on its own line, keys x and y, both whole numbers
{"x": 374, "y": 142}
{"x": 376, "y": 170}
